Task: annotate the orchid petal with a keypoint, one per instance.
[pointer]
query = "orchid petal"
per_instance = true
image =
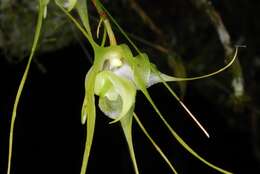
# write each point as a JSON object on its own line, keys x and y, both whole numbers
{"x": 126, "y": 123}
{"x": 107, "y": 82}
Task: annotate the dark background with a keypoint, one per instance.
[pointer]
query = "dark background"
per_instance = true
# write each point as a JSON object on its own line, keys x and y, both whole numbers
{"x": 49, "y": 137}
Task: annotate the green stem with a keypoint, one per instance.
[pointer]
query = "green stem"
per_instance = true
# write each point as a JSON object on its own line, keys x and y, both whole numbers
{"x": 82, "y": 9}
{"x": 21, "y": 86}
{"x": 89, "y": 38}
{"x": 106, "y": 22}
{"x": 104, "y": 38}
{"x": 154, "y": 144}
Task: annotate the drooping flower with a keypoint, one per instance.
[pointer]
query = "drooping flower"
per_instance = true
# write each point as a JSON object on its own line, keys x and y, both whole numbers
{"x": 115, "y": 77}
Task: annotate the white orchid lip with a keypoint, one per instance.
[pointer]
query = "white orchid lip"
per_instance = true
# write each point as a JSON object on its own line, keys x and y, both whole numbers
{"x": 125, "y": 71}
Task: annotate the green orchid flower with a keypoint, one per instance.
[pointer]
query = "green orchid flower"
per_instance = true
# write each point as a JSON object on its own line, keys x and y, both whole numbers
{"x": 115, "y": 77}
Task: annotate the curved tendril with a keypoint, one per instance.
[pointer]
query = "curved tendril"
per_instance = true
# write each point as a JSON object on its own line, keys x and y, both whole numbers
{"x": 104, "y": 38}
{"x": 98, "y": 27}
{"x": 154, "y": 144}
{"x": 42, "y": 7}
{"x": 170, "y": 78}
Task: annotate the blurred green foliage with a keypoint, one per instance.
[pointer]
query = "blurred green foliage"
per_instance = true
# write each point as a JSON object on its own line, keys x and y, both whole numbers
{"x": 17, "y": 25}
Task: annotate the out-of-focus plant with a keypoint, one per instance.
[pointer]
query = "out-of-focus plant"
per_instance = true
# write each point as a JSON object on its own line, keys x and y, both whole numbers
{"x": 15, "y": 30}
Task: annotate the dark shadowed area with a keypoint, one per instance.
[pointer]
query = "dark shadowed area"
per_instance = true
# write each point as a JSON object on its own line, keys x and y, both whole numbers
{"x": 184, "y": 38}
